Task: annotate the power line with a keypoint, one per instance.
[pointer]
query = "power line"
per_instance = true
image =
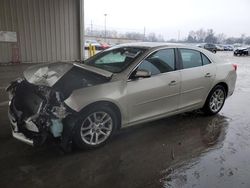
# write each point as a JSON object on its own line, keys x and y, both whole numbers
{"x": 100, "y": 27}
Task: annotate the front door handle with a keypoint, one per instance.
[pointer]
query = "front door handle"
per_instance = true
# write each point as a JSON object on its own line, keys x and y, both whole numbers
{"x": 172, "y": 83}
{"x": 208, "y": 75}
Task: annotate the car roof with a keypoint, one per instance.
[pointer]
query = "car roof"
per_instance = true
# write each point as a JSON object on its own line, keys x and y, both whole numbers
{"x": 156, "y": 44}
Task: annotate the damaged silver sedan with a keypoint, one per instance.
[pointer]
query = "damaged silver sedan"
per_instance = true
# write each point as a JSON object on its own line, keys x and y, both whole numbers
{"x": 85, "y": 103}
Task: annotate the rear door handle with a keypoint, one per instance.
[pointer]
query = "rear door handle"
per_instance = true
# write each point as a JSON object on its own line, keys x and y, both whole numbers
{"x": 172, "y": 83}
{"x": 208, "y": 75}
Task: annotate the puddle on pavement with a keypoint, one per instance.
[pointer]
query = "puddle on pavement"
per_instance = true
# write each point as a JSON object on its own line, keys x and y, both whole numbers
{"x": 225, "y": 160}
{"x": 212, "y": 135}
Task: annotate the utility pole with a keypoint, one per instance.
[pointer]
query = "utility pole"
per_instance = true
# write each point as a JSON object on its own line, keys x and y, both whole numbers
{"x": 105, "y": 29}
{"x": 82, "y": 32}
{"x": 91, "y": 28}
{"x": 179, "y": 35}
{"x": 144, "y": 34}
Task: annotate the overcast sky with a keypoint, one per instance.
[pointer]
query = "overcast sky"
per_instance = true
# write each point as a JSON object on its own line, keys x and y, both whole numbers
{"x": 167, "y": 17}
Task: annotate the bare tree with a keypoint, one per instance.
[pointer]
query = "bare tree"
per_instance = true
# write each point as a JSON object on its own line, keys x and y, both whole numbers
{"x": 221, "y": 38}
{"x": 151, "y": 37}
{"x": 201, "y": 35}
{"x": 191, "y": 36}
{"x": 210, "y": 37}
{"x": 134, "y": 35}
{"x": 247, "y": 40}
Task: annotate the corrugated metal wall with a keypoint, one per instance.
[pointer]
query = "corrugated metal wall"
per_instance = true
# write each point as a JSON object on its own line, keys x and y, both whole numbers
{"x": 47, "y": 30}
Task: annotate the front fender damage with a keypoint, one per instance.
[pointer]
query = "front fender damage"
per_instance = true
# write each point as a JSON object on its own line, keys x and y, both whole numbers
{"x": 38, "y": 109}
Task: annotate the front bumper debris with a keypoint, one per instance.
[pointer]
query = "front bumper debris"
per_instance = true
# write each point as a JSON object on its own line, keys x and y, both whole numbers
{"x": 18, "y": 135}
{"x": 37, "y": 114}
{"x": 22, "y": 138}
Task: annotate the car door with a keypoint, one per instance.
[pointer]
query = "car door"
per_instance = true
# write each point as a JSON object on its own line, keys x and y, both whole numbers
{"x": 197, "y": 75}
{"x": 158, "y": 94}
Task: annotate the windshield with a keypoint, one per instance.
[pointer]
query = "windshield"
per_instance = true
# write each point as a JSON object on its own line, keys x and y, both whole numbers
{"x": 115, "y": 60}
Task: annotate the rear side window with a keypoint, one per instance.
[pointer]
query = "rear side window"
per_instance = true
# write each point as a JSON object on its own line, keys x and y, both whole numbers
{"x": 190, "y": 58}
{"x": 205, "y": 60}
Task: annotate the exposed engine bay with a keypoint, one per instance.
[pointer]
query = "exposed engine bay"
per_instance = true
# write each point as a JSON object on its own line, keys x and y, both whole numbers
{"x": 37, "y": 109}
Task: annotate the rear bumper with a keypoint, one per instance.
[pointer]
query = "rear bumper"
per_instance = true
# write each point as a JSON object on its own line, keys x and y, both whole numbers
{"x": 231, "y": 81}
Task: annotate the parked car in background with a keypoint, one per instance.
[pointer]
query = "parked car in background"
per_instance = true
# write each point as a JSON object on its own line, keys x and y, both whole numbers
{"x": 113, "y": 44}
{"x": 219, "y": 47}
{"x": 129, "y": 84}
{"x": 228, "y": 48}
{"x": 242, "y": 51}
{"x": 200, "y": 45}
{"x": 97, "y": 45}
{"x": 210, "y": 47}
{"x": 104, "y": 45}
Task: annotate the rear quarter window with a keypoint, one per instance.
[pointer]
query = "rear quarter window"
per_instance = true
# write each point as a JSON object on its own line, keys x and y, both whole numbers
{"x": 205, "y": 60}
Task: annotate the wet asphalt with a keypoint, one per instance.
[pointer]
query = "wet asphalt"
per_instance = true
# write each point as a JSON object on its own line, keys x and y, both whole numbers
{"x": 187, "y": 150}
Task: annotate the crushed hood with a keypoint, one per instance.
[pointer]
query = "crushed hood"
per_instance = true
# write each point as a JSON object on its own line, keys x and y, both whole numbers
{"x": 46, "y": 74}
{"x": 49, "y": 74}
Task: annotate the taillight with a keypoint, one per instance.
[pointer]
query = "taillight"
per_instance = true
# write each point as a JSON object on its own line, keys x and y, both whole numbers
{"x": 235, "y": 67}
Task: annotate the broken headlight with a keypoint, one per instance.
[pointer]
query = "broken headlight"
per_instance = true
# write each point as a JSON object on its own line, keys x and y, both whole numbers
{"x": 10, "y": 95}
{"x": 11, "y": 87}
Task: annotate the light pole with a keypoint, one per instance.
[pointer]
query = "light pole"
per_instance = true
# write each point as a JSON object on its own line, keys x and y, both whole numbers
{"x": 105, "y": 31}
{"x": 144, "y": 34}
{"x": 82, "y": 32}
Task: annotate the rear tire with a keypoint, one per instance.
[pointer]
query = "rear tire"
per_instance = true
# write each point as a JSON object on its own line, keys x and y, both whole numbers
{"x": 97, "y": 124}
{"x": 215, "y": 100}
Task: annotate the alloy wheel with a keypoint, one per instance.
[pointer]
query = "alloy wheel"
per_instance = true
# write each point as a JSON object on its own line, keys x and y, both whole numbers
{"x": 96, "y": 128}
{"x": 217, "y": 100}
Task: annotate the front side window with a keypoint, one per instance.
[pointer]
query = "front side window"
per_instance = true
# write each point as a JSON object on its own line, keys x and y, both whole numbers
{"x": 150, "y": 67}
{"x": 115, "y": 60}
{"x": 190, "y": 58}
{"x": 159, "y": 62}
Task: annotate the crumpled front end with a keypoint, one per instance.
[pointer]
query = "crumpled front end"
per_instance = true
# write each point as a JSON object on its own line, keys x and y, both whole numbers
{"x": 37, "y": 108}
{"x": 36, "y": 112}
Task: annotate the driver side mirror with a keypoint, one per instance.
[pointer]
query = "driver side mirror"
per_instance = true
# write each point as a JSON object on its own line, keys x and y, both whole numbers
{"x": 142, "y": 74}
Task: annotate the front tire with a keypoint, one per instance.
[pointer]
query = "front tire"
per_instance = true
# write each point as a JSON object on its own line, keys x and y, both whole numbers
{"x": 95, "y": 127}
{"x": 215, "y": 100}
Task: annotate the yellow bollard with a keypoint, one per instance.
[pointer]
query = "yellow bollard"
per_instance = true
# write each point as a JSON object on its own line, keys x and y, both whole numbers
{"x": 91, "y": 50}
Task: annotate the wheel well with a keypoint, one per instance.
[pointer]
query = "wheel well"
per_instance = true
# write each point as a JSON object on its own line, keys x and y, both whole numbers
{"x": 223, "y": 84}
{"x": 106, "y": 103}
